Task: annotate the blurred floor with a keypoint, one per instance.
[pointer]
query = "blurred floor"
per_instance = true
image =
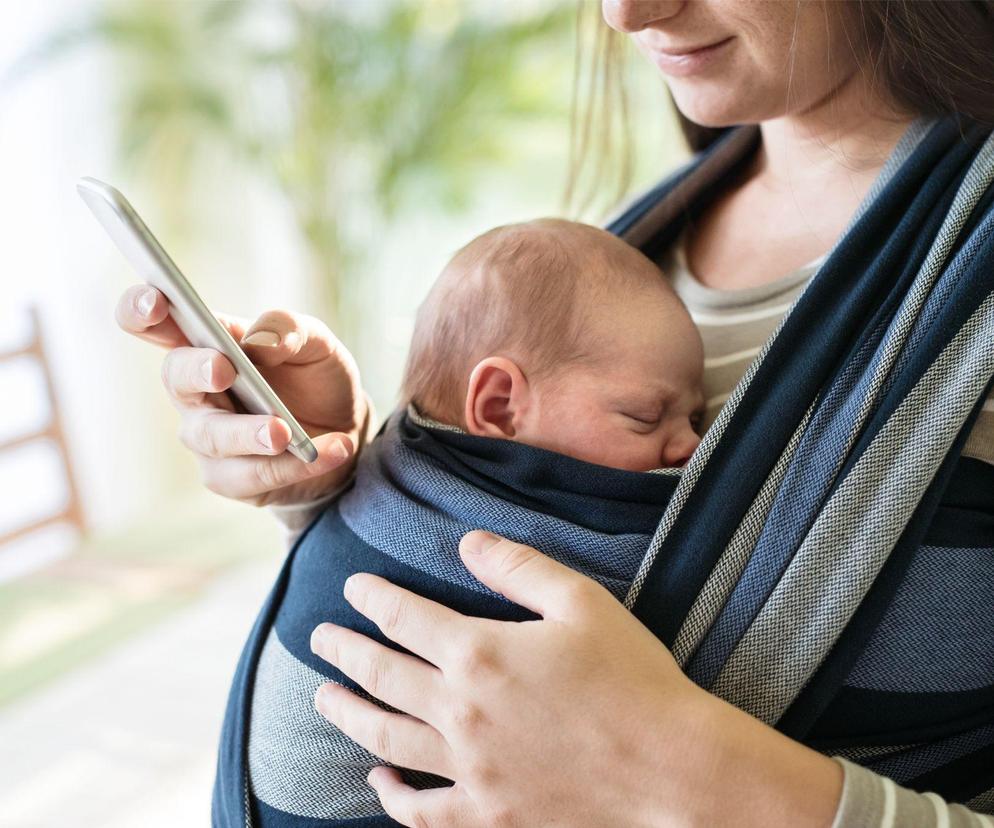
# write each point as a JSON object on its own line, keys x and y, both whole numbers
{"x": 131, "y": 739}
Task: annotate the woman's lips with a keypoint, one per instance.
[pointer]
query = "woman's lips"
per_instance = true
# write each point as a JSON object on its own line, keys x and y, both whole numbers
{"x": 683, "y": 62}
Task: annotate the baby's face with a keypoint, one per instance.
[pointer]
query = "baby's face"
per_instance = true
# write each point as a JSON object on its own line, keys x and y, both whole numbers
{"x": 637, "y": 406}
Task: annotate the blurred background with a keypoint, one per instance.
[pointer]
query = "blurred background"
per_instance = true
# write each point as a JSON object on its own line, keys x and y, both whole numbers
{"x": 323, "y": 156}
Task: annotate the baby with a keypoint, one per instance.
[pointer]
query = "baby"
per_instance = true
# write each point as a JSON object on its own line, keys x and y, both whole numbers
{"x": 562, "y": 336}
{"x": 570, "y": 348}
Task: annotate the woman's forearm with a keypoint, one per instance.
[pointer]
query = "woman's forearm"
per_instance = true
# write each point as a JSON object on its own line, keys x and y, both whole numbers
{"x": 757, "y": 776}
{"x": 748, "y": 774}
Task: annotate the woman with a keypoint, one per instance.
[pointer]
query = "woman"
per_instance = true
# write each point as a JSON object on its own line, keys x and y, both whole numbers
{"x": 584, "y": 717}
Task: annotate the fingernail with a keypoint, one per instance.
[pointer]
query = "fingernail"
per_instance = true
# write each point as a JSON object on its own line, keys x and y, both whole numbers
{"x": 322, "y": 698}
{"x": 145, "y": 303}
{"x": 267, "y": 339}
{"x": 207, "y": 371}
{"x": 339, "y": 451}
{"x": 263, "y": 437}
{"x": 348, "y": 590}
{"x": 317, "y": 636}
{"x": 477, "y": 543}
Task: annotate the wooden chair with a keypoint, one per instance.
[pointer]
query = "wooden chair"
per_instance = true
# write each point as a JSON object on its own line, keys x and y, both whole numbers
{"x": 51, "y": 431}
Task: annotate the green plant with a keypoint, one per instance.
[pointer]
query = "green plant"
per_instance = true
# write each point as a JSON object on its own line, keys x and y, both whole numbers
{"x": 339, "y": 103}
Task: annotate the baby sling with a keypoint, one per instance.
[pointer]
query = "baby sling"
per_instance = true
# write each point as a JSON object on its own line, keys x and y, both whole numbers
{"x": 825, "y": 561}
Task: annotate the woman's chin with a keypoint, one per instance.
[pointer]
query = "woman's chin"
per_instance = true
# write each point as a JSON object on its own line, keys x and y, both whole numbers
{"x": 705, "y": 111}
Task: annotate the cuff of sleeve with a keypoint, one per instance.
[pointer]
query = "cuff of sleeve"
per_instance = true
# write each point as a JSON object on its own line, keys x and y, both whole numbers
{"x": 296, "y": 517}
{"x": 869, "y": 800}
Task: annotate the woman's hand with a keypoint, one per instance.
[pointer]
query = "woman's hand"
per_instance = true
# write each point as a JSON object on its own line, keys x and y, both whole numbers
{"x": 243, "y": 456}
{"x": 581, "y": 718}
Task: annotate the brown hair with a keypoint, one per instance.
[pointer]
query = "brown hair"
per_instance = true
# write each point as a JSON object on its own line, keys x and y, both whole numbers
{"x": 516, "y": 291}
{"x": 933, "y": 57}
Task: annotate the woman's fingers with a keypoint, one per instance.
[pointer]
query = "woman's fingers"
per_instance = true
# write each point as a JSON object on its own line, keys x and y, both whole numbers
{"x": 279, "y": 336}
{"x": 144, "y": 312}
{"x": 394, "y": 737}
{"x": 252, "y": 478}
{"x": 190, "y": 373}
{"x": 217, "y": 434}
{"x": 525, "y": 575}
{"x": 409, "y": 806}
{"x": 400, "y": 680}
{"x": 423, "y": 626}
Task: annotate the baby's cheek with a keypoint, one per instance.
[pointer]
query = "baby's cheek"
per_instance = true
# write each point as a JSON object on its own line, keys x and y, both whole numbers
{"x": 624, "y": 449}
{"x": 646, "y": 453}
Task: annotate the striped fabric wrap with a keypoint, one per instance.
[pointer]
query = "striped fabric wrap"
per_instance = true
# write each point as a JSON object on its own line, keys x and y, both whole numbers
{"x": 439, "y": 483}
{"x": 825, "y": 561}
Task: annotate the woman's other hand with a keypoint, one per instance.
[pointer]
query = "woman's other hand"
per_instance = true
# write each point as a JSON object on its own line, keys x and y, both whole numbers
{"x": 243, "y": 456}
{"x": 580, "y": 718}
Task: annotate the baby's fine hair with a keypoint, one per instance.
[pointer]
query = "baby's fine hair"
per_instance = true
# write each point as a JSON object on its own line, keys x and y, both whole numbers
{"x": 516, "y": 291}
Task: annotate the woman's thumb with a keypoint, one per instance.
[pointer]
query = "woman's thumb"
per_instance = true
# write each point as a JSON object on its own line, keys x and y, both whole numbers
{"x": 519, "y": 573}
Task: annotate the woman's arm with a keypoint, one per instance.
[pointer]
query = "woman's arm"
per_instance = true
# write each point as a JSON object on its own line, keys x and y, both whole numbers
{"x": 243, "y": 456}
{"x": 579, "y": 718}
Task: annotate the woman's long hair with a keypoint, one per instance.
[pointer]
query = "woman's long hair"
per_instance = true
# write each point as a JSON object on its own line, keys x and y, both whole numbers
{"x": 932, "y": 57}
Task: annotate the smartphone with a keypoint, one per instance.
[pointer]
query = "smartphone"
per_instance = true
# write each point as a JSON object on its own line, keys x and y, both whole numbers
{"x": 191, "y": 315}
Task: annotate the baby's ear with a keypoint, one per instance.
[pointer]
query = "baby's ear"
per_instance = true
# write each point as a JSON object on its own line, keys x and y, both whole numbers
{"x": 496, "y": 399}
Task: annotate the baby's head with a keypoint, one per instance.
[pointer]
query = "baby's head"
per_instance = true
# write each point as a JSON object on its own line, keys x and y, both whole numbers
{"x": 562, "y": 336}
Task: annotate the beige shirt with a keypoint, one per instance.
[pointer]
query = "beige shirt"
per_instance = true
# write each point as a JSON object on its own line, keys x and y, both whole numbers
{"x": 735, "y": 324}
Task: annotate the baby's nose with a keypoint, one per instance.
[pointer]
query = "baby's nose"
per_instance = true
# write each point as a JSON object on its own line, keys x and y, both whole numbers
{"x": 680, "y": 447}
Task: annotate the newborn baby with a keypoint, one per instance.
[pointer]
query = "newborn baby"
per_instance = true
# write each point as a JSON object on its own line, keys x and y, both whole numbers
{"x": 562, "y": 336}
{"x": 551, "y": 368}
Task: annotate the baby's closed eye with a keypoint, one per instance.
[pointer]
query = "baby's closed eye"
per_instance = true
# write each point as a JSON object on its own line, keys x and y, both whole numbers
{"x": 644, "y": 420}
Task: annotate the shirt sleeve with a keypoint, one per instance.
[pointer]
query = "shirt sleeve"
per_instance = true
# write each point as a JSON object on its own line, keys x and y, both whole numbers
{"x": 296, "y": 517}
{"x": 873, "y": 801}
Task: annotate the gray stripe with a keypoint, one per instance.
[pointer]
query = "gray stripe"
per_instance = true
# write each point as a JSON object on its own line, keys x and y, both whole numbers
{"x": 427, "y": 422}
{"x": 298, "y": 761}
{"x": 731, "y": 564}
{"x": 982, "y": 803}
{"x": 857, "y": 528}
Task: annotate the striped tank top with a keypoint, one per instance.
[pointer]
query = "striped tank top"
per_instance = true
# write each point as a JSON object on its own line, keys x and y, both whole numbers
{"x": 735, "y": 324}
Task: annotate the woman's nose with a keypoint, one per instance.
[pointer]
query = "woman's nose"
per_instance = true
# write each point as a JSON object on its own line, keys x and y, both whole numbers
{"x": 680, "y": 447}
{"x": 630, "y": 16}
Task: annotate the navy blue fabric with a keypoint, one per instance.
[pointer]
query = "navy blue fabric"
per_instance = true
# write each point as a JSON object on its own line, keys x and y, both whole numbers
{"x": 966, "y": 515}
{"x": 665, "y": 235}
{"x": 262, "y": 814}
{"x": 595, "y": 497}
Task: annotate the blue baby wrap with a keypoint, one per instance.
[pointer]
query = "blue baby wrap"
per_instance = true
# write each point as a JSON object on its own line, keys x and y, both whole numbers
{"x": 825, "y": 561}
{"x": 302, "y": 770}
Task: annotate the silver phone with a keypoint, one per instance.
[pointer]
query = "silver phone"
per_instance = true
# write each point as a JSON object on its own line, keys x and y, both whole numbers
{"x": 191, "y": 315}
